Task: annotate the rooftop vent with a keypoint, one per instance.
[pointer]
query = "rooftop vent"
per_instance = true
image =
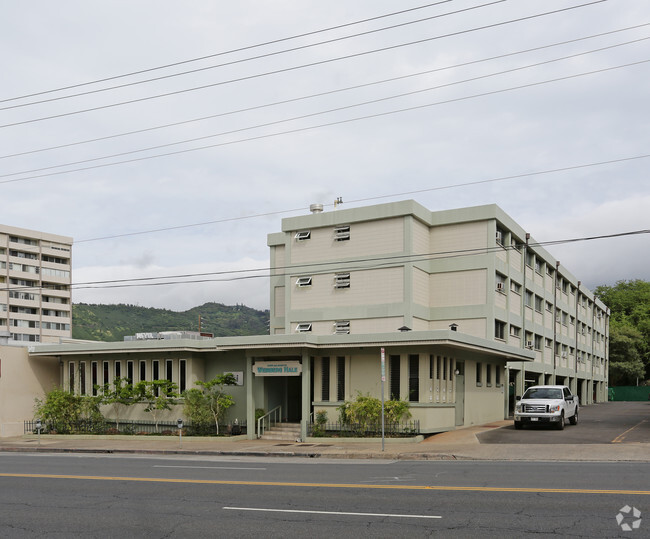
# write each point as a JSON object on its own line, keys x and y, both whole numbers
{"x": 316, "y": 208}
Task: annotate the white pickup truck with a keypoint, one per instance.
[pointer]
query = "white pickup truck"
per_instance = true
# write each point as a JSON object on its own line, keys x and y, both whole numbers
{"x": 546, "y": 404}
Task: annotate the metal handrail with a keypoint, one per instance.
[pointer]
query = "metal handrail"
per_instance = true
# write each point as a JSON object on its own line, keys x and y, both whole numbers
{"x": 261, "y": 422}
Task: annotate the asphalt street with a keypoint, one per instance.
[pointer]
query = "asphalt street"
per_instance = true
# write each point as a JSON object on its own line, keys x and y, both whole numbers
{"x": 49, "y": 495}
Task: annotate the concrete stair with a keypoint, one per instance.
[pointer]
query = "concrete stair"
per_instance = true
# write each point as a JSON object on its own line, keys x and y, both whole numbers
{"x": 283, "y": 431}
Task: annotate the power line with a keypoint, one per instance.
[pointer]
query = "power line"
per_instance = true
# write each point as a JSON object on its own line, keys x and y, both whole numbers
{"x": 325, "y": 267}
{"x": 223, "y": 53}
{"x": 321, "y": 94}
{"x": 367, "y": 199}
{"x": 259, "y": 57}
{"x": 293, "y": 68}
{"x": 298, "y": 130}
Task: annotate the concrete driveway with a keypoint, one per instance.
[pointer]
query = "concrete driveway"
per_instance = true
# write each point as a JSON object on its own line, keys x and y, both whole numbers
{"x": 606, "y": 423}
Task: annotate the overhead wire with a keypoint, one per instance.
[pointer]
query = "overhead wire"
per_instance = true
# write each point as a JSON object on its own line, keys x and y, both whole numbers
{"x": 301, "y": 129}
{"x": 311, "y": 64}
{"x": 366, "y": 263}
{"x": 223, "y": 53}
{"x": 320, "y": 94}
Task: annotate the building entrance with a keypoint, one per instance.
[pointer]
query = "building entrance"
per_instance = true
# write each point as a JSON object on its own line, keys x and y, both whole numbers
{"x": 285, "y": 391}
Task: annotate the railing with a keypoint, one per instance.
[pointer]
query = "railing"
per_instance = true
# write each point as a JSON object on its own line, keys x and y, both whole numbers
{"x": 406, "y": 428}
{"x": 268, "y": 420}
{"x": 110, "y": 426}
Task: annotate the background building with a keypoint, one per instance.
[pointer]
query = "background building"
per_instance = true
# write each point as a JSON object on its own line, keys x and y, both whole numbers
{"x": 35, "y": 278}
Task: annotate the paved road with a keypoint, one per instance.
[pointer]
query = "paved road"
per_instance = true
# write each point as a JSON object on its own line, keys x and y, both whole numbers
{"x": 607, "y": 423}
{"x": 109, "y": 496}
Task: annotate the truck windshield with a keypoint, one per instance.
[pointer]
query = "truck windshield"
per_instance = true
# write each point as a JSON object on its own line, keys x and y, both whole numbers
{"x": 543, "y": 393}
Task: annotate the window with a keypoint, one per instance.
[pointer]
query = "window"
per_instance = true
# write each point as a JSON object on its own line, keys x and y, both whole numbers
{"x": 118, "y": 369}
{"x": 182, "y": 375}
{"x": 444, "y": 368}
{"x": 438, "y": 367}
{"x": 394, "y": 392}
{"x": 549, "y": 306}
{"x": 325, "y": 379}
{"x": 143, "y": 370}
{"x": 539, "y": 266}
{"x": 303, "y": 281}
{"x": 155, "y": 375}
{"x": 479, "y": 372}
{"x": 414, "y": 378}
{"x": 515, "y": 331}
{"x": 342, "y": 233}
{"x": 342, "y": 280}
{"x": 82, "y": 377}
{"x": 516, "y": 244}
{"x": 342, "y": 327}
{"x": 499, "y": 330}
{"x": 431, "y": 367}
{"x": 105, "y": 373}
{"x": 129, "y": 371}
{"x": 548, "y": 343}
{"x": 488, "y": 375}
{"x": 303, "y": 328}
{"x": 94, "y": 377}
{"x": 539, "y": 304}
{"x": 530, "y": 259}
{"x": 538, "y": 342}
{"x": 340, "y": 378}
{"x": 169, "y": 369}
{"x": 303, "y": 235}
{"x": 497, "y": 376}
{"x": 515, "y": 287}
{"x": 529, "y": 298}
{"x": 499, "y": 237}
{"x": 71, "y": 377}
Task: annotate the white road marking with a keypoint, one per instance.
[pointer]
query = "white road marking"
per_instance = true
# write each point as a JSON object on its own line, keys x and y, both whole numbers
{"x": 206, "y": 467}
{"x": 380, "y": 515}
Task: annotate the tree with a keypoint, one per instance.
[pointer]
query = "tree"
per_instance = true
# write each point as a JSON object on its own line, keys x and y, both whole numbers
{"x": 159, "y": 396}
{"x": 629, "y": 344}
{"x": 210, "y": 401}
{"x": 117, "y": 395}
{"x": 62, "y": 410}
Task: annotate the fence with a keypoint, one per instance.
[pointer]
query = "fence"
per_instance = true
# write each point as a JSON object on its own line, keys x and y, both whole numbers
{"x": 629, "y": 393}
{"x": 142, "y": 427}
{"x": 362, "y": 430}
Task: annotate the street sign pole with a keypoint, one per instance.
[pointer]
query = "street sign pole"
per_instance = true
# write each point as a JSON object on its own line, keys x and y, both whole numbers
{"x": 383, "y": 379}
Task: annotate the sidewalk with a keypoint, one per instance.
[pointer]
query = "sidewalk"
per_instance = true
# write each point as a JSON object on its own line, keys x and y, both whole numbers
{"x": 456, "y": 445}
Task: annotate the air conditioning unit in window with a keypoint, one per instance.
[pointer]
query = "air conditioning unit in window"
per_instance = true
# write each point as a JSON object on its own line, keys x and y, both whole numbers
{"x": 529, "y": 344}
{"x": 564, "y": 354}
{"x": 499, "y": 236}
{"x": 500, "y": 286}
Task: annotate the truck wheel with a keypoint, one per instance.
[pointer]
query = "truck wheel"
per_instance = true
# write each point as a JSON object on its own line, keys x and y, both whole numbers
{"x": 560, "y": 423}
{"x": 574, "y": 420}
{"x": 519, "y": 425}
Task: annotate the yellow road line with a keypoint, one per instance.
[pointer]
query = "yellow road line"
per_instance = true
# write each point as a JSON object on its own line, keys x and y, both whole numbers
{"x": 621, "y": 437}
{"x": 331, "y": 485}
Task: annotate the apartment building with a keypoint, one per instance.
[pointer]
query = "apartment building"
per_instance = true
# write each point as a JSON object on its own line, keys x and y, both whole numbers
{"x": 454, "y": 311}
{"x": 35, "y": 278}
{"x": 400, "y": 266}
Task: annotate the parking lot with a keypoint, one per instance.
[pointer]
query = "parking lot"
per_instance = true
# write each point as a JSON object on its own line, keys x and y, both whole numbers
{"x": 606, "y": 423}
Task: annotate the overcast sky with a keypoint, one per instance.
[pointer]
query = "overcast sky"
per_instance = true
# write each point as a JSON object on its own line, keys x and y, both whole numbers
{"x": 478, "y": 108}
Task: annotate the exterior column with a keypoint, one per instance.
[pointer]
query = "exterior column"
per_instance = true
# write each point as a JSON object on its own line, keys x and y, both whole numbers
{"x": 250, "y": 400}
{"x": 306, "y": 396}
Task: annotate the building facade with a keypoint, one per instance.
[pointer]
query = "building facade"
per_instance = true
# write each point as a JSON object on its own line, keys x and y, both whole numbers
{"x": 35, "y": 278}
{"x": 455, "y": 312}
{"x": 399, "y": 265}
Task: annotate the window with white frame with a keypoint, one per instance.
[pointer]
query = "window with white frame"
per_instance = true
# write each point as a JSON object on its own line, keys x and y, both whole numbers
{"x": 303, "y": 235}
{"x": 303, "y": 281}
{"x": 342, "y": 327}
{"x": 303, "y": 327}
{"x": 499, "y": 330}
{"x": 500, "y": 283}
{"x": 515, "y": 287}
{"x": 515, "y": 331}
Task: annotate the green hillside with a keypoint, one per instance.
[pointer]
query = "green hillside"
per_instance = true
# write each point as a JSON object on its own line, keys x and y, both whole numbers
{"x": 114, "y": 322}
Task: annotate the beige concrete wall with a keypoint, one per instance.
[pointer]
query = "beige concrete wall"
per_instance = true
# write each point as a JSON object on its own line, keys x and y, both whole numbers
{"x": 22, "y": 380}
{"x": 471, "y": 326}
{"x": 421, "y": 239}
{"x": 482, "y": 403}
{"x": 458, "y": 288}
{"x": 450, "y": 238}
{"x": 367, "y": 287}
{"x": 421, "y": 289}
{"x": 366, "y": 239}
